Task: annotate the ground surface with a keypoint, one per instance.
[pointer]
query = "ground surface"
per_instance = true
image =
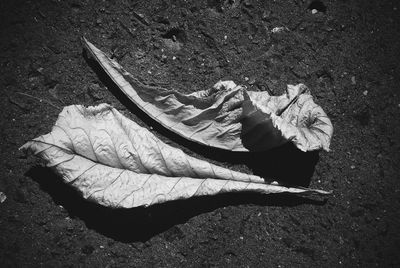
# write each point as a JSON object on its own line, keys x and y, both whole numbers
{"x": 347, "y": 53}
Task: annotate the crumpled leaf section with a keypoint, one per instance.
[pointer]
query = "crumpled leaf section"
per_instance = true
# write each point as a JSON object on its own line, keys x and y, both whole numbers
{"x": 113, "y": 161}
{"x": 227, "y": 116}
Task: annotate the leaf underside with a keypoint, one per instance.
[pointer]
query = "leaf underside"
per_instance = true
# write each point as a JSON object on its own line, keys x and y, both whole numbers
{"x": 114, "y": 162}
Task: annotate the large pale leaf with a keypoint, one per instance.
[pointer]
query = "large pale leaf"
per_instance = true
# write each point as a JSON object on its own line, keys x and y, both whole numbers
{"x": 113, "y": 161}
{"x": 228, "y": 116}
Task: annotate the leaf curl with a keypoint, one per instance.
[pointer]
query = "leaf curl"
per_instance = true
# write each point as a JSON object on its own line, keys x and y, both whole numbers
{"x": 227, "y": 116}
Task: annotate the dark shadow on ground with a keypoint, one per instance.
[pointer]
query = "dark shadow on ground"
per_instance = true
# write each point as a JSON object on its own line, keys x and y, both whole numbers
{"x": 285, "y": 164}
{"x": 140, "y": 224}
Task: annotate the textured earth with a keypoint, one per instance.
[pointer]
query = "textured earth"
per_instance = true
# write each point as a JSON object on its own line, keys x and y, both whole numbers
{"x": 346, "y": 51}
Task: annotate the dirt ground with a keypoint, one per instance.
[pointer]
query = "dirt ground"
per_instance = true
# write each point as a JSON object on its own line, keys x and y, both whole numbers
{"x": 346, "y": 51}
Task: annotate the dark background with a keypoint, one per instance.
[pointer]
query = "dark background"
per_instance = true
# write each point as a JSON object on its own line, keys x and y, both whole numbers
{"x": 347, "y": 53}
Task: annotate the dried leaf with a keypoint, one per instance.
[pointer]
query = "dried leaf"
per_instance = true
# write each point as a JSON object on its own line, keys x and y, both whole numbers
{"x": 113, "y": 161}
{"x": 228, "y": 116}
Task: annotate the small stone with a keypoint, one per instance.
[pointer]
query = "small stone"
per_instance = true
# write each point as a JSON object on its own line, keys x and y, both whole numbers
{"x": 246, "y": 79}
{"x": 266, "y": 16}
{"x": 95, "y": 91}
{"x": 252, "y": 81}
{"x": 3, "y": 197}
{"x": 247, "y": 3}
{"x": 314, "y": 11}
{"x": 171, "y": 44}
{"x": 352, "y": 166}
{"x": 365, "y": 93}
{"x": 173, "y": 58}
{"x": 278, "y": 29}
{"x": 353, "y": 80}
{"x": 164, "y": 58}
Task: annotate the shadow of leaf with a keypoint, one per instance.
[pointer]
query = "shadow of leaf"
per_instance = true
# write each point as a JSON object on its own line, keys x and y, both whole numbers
{"x": 285, "y": 164}
{"x": 140, "y": 224}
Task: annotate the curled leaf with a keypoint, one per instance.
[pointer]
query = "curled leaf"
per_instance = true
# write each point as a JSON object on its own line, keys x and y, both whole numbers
{"x": 113, "y": 161}
{"x": 228, "y": 116}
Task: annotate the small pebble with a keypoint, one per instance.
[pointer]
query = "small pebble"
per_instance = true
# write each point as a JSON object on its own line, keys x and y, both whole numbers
{"x": 352, "y": 166}
{"x": 3, "y": 197}
{"x": 353, "y": 80}
{"x": 365, "y": 93}
{"x": 225, "y": 37}
{"x": 173, "y": 58}
{"x": 277, "y": 29}
{"x": 314, "y": 11}
{"x": 246, "y": 79}
{"x": 252, "y": 81}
